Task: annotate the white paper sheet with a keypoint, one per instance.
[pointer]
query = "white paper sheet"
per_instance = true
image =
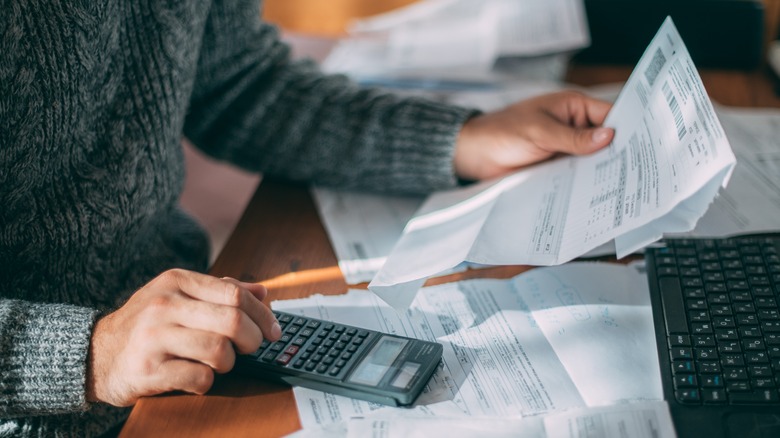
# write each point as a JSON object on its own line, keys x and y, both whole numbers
{"x": 363, "y": 227}
{"x": 508, "y": 352}
{"x": 664, "y": 167}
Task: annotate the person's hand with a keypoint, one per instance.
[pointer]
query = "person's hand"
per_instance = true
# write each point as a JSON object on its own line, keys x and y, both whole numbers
{"x": 173, "y": 334}
{"x": 530, "y": 131}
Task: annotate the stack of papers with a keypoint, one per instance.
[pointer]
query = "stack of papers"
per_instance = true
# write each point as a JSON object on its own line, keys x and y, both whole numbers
{"x": 438, "y": 37}
{"x": 549, "y": 340}
{"x": 669, "y": 158}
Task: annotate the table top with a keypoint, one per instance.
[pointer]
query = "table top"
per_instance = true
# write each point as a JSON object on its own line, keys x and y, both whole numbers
{"x": 280, "y": 242}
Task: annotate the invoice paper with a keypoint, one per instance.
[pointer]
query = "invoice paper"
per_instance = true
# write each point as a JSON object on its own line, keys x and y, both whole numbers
{"x": 550, "y": 339}
{"x": 668, "y": 159}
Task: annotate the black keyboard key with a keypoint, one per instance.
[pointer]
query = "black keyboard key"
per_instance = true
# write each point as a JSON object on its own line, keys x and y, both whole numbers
{"x": 681, "y": 353}
{"x": 685, "y": 381}
{"x": 760, "y": 396}
{"x": 731, "y": 374}
{"x": 709, "y": 367}
{"x": 679, "y": 340}
{"x": 737, "y": 386}
{"x": 713, "y": 396}
{"x": 674, "y": 308}
{"x": 683, "y": 366}
{"x": 688, "y": 396}
{"x": 712, "y": 381}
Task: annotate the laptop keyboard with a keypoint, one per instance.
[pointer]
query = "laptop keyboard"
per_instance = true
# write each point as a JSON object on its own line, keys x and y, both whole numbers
{"x": 720, "y": 301}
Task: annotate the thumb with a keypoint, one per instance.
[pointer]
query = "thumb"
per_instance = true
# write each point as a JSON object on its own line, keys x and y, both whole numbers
{"x": 587, "y": 140}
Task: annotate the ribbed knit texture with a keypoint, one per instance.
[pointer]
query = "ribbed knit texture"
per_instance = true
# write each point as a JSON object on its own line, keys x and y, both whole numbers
{"x": 94, "y": 99}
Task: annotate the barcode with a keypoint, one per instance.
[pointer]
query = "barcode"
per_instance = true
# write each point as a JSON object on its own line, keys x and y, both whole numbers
{"x": 678, "y": 117}
{"x": 657, "y": 63}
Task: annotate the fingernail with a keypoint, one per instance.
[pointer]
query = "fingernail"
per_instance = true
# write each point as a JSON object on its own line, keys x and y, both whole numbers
{"x": 276, "y": 331}
{"x": 601, "y": 134}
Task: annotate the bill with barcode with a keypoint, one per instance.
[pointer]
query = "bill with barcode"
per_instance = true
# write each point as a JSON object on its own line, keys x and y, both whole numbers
{"x": 666, "y": 163}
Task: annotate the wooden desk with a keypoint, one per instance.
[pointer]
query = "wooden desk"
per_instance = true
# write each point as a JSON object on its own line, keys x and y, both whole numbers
{"x": 281, "y": 242}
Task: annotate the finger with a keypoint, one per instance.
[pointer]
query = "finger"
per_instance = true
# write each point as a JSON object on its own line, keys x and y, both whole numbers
{"x": 231, "y": 322}
{"x": 259, "y": 312}
{"x": 229, "y": 292}
{"x": 205, "y": 347}
{"x": 204, "y": 287}
{"x": 596, "y": 110}
{"x": 257, "y": 289}
{"x": 182, "y": 375}
{"x": 555, "y": 136}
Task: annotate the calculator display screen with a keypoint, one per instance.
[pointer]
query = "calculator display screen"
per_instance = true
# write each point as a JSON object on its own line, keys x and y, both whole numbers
{"x": 375, "y": 365}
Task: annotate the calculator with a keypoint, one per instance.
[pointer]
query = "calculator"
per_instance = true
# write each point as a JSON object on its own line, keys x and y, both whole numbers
{"x": 344, "y": 360}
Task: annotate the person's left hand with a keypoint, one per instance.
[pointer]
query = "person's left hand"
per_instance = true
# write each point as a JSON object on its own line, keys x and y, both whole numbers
{"x": 530, "y": 131}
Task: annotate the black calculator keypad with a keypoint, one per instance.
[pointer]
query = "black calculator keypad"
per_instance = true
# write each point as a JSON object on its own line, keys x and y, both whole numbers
{"x": 317, "y": 347}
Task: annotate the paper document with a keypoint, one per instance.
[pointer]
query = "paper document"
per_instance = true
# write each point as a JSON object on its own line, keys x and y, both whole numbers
{"x": 441, "y": 35}
{"x": 636, "y": 420}
{"x": 547, "y": 340}
{"x": 751, "y": 203}
{"x": 665, "y": 165}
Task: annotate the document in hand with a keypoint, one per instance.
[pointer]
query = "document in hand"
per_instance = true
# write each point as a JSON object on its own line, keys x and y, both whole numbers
{"x": 668, "y": 160}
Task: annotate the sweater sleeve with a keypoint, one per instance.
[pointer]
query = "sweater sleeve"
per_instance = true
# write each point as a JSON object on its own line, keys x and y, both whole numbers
{"x": 253, "y": 106}
{"x": 43, "y": 357}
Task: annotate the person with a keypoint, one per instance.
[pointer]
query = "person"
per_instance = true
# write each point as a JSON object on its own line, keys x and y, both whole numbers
{"x": 103, "y": 297}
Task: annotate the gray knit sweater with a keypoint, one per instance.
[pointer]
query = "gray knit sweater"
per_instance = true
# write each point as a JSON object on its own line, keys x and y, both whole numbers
{"x": 95, "y": 97}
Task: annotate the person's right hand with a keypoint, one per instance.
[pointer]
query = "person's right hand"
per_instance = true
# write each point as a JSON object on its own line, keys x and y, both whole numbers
{"x": 173, "y": 334}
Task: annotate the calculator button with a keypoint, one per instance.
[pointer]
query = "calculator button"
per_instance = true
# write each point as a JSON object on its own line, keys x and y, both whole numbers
{"x": 299, "y": 321}
{"x": 277, "y": 346}
{"x": 313, "y": 324}
{"x": 333, "y": 353}
{"x": 340, "y": 329}
{"x": 322, "y": 369}
{"x": 328, "y": 327}
{"x": 293, "y": 329}
{"x": 269, "y": 357}
{"x": 299, "y": 341}
{"x": 283, "y": 359}
{"x": 352, "y": 348}
{"x": 352, "y": 331}
{"x": 334, "y": 371}
{"x": 284, "y": 319}
{"x": 305, "y": 355}
{"x": 346, "y": 356}
{"x": 316, "y": 341}
{"x": 285, "y": 338}
{"x": 307, "y": 332}
{"x": 299, "y": 363}
{"x": 316, "y": 358}
{"x": 310, "y": 366}
{"x": 362, "y": 334}
{"x": 341, "y": 363}
{"x": 292, "y": 350}
{"x": 328, "y": 360}
{"x": 345, "y": 338}
{"x": 339, "y": 346}
{"x": 328, "y": 343}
